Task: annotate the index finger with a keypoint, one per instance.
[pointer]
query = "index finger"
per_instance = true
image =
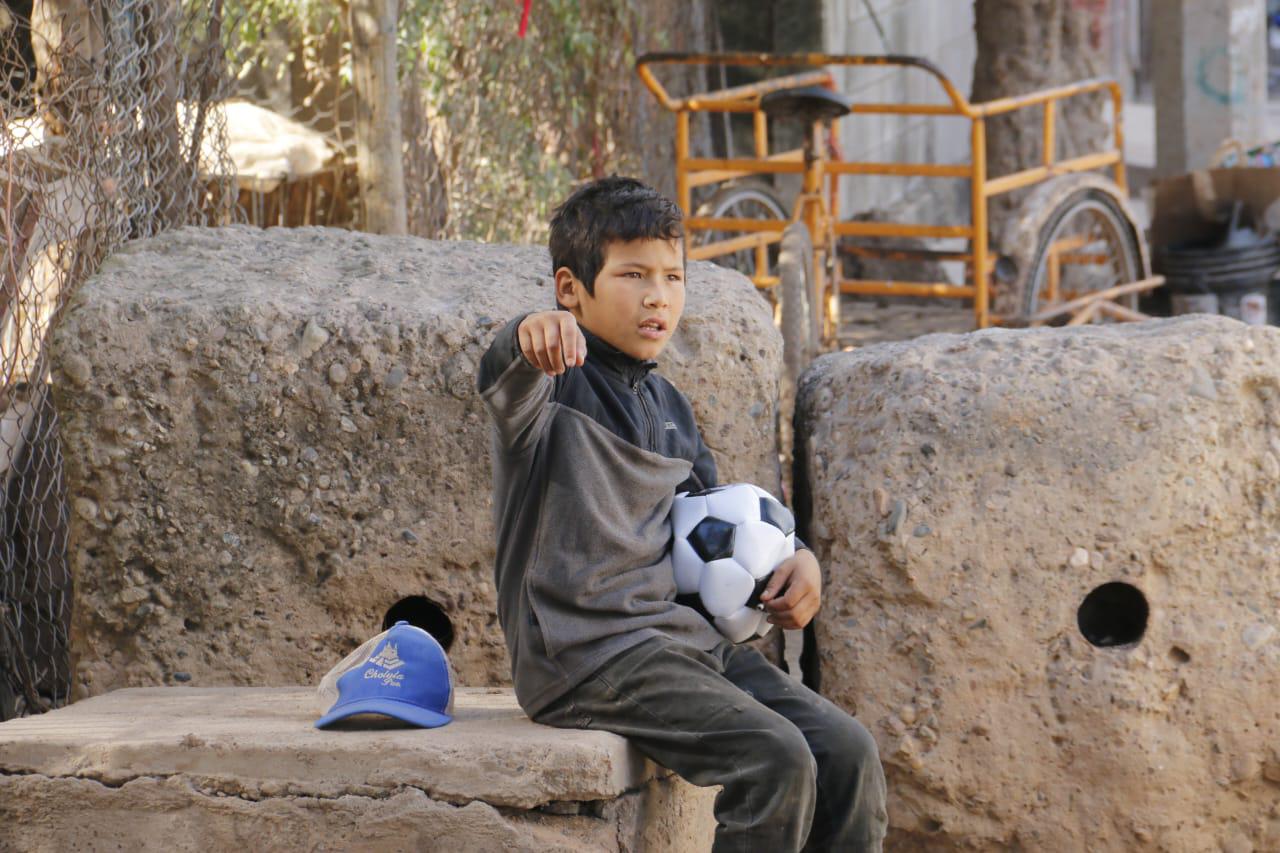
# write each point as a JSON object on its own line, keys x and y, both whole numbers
{"x": 806, "y": 606}
{"x": 569, "y": 336}
{"x": 796, "y": 595}
{"x": 797, "y": 589}
{"x": 555, "y": 347}
{"x": 776, "y": 581}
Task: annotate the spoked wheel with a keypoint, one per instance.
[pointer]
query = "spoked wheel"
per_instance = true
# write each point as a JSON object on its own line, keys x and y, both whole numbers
{"x": 744, "y": 200}
{"x": 795, "y": 272}
{"x": 1078, "y": 243}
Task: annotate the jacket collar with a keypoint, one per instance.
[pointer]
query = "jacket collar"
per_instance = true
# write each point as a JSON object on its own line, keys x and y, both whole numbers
{"x": 630, "y": 370}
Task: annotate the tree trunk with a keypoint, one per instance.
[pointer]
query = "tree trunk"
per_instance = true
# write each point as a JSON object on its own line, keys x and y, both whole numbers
{"x": 170, "y": 186}
{"x": 668, "y": 25}
{"x": 379, "y": 155}
{"x": 1026, "y": 45}
{"x": 67, "y": 46}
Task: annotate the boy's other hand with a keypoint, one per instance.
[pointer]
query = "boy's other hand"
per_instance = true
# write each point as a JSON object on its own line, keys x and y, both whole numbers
{"x": 552, "y": 341}
{"x": 794, "y": 593}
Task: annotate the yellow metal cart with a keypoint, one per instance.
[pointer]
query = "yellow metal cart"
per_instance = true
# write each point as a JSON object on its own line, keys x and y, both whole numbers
{"x": 1073, "y": 252}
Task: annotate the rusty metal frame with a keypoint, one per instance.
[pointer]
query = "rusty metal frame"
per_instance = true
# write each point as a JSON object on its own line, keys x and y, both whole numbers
{"x": 820, "y": 213}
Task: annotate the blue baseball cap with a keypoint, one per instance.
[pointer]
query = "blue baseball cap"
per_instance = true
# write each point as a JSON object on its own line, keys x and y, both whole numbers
{"x": 406, "y": 676}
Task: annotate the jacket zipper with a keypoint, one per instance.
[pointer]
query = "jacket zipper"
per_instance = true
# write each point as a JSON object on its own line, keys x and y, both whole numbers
{"x": 651, "y": 441}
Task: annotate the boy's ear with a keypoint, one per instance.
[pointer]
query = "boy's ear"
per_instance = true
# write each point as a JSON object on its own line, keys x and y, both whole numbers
{"x": 569, "y": 290}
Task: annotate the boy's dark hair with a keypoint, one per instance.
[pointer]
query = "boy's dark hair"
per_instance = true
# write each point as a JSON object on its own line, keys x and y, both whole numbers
{"x": 601, "y": 212}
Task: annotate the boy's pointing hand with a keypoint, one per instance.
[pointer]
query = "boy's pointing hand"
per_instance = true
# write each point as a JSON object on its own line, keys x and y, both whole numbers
{"x": 794, "y": 593}
{"x": 552, "y": 341}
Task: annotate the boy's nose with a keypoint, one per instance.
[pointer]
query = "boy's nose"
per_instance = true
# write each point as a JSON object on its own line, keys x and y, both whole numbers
{"x": 655, "y": 299}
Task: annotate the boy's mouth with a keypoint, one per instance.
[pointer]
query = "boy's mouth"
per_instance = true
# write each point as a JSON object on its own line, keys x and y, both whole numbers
{"x": 653, "y": 327}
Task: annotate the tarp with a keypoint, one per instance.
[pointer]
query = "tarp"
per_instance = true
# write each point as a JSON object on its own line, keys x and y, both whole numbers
{"x": 265, "y": 148}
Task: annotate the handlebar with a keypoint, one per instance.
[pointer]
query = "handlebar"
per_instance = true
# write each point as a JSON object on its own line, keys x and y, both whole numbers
{"x": 772, "y": 60}
{"x": 746, "y": 96}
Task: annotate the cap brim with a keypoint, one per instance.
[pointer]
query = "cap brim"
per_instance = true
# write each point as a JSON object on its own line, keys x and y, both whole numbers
{"x": 405, "y": 711}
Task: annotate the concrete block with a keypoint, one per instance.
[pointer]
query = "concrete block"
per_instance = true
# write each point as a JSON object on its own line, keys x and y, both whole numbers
{"x": 273, "y": 436}
{"x": 1051, "y": 579}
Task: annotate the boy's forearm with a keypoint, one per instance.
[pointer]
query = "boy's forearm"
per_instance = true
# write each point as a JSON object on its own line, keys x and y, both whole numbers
{"x": 503, "y": 350}
{"x": 514, "y": 391}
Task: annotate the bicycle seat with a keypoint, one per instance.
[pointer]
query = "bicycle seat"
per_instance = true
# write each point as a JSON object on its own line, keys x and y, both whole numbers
{"x": 806, "y": 103}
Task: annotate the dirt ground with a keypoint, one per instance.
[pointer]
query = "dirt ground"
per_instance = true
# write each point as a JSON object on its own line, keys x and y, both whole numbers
{"x": 868, "y": 321}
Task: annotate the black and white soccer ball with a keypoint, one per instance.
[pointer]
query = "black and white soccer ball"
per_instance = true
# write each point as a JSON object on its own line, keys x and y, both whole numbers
{"x": 726, "y": 542}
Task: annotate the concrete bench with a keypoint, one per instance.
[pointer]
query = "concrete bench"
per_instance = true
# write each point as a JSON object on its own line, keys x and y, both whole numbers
{"x": 179, "y": 768}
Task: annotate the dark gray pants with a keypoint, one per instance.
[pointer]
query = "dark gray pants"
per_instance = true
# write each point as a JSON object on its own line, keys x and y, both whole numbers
{"x": 797, "y": 772}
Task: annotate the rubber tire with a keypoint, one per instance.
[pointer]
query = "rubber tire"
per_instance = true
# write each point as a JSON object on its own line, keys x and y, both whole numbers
{"x": 1019, "y": 301}
{"x": 1128, "y": 236}
{"x": 795, "y": 272}
{"x": 730, "y": 194}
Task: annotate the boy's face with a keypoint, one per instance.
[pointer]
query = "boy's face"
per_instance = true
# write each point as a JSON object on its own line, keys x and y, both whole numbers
{"x": 639, "y": 296}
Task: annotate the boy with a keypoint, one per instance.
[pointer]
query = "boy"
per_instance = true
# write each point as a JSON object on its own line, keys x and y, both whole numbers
{"x": 590, "y": 448}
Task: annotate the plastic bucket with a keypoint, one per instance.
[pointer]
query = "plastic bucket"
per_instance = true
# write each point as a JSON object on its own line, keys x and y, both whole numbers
{"x": 1194, "y": 303}
{"x": 1247, "y": 306}
{"x": 1228, "y": 280}
{"x": 1242, "y": 298}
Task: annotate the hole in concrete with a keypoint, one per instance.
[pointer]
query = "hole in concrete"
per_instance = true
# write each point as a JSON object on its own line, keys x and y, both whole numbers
{"x": 1179, "y": 654}
{"x": 1114, "y": 614}
{"x": 422, "y": 612}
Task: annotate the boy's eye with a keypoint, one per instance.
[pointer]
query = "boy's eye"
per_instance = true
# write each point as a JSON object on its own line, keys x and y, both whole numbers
{"x": 675, "y": 277}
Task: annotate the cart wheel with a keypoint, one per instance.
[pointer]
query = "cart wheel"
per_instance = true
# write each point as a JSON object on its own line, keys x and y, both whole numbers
{"x": 1074, "y": 235}
{"x": 741, "y": 200}
{"x": 795, "y": 272}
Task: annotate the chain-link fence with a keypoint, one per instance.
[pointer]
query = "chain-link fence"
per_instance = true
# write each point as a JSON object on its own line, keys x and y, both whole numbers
{"x": 107, "y": 133}
{"x": 122, "y": 118}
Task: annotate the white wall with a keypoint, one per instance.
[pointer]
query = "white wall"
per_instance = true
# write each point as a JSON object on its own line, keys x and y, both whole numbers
{"x": 938, "y": 30}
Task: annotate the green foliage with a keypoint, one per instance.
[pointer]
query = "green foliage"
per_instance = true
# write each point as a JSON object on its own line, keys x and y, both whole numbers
{"x": 504, "y": 126}
{"x": 518, "y": 121}
{"x": 249, "y": 20}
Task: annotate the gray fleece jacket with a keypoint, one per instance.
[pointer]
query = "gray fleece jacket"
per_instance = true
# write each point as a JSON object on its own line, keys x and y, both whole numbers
{"x": 585, "y": 467}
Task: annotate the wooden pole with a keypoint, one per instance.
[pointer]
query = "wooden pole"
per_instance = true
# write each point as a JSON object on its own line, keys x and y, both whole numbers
{"x": 379, "y": 145}
{"x": 1083, "y": 302}
{"x": 1118, "y": 311}
{"x": 1084, "y": 315}
{"x": 162, "y": 175}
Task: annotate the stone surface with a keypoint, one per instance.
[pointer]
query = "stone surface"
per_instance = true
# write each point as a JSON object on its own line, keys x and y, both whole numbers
{"x": 212, "y": 768}
{"x": 273, "y": 436}
{"x": 1062, "y": 460}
